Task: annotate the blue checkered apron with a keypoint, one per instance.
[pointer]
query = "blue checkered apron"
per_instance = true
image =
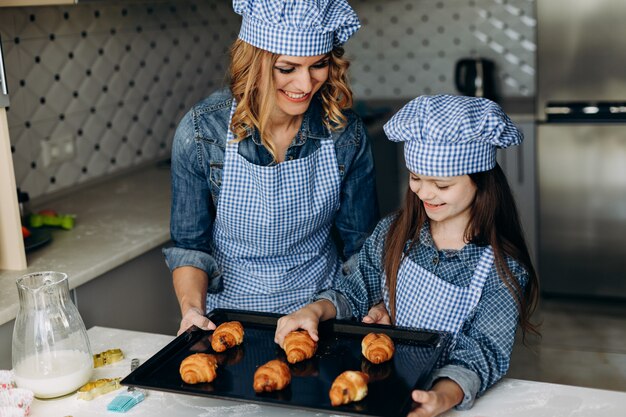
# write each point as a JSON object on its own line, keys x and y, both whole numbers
{"x": 423, "y": 300}
{"x": 271, "y": 236}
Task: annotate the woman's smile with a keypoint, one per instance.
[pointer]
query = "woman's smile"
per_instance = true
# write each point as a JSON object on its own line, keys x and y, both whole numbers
{"x": 295, "y": 97}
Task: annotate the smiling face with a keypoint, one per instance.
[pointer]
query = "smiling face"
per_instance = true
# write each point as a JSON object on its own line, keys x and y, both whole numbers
{"x": 446, "y": 199}
{"x": 297, "y": 79}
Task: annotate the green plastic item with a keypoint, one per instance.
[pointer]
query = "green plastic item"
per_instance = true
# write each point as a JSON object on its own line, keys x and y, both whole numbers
{"x": 64, "y": 221}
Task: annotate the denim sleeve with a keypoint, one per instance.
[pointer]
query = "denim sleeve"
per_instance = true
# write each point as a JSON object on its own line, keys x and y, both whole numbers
{"x": 358, "y": 212}
{"x": 192, "y": 210}
{"x": 355, "y": 294}
{"x": 350, "y": 265}
{"x": 482, "y": 352}
{"x": 344, "y": 310}
{"x": 467, "y": 380}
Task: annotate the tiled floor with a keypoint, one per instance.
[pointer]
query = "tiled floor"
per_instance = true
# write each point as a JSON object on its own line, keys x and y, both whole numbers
{"x": 583, "y": 343}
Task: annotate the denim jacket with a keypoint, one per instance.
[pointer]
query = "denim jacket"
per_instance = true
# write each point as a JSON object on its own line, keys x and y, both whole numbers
{"x": 197, "y": 165}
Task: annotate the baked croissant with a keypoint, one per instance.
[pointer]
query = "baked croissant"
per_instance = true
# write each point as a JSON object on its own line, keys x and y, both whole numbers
{"x": 199, "y": 367}
{"x": 272, "y": 376}
{"x": 349, "y": 386}
{"x": 299, "y": 346}
{"x": 377, "y": 347}
{"x": 227, "y": 335}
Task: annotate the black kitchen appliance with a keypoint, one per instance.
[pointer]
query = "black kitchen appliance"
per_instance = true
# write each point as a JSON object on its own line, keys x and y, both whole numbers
{"x": 475, "y": 77}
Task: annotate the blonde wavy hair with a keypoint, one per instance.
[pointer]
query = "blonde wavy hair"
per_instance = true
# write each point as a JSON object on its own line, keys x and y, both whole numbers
{"x": 249, "y": 80}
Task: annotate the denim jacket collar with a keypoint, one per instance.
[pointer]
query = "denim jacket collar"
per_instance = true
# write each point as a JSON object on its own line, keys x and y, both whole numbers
{"x": 312, "y": 125}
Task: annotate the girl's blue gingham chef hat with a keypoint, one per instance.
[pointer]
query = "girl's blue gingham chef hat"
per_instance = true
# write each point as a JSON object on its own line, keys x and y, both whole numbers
{"x": 296, "y": 27}
{"x": 447, "y": 135}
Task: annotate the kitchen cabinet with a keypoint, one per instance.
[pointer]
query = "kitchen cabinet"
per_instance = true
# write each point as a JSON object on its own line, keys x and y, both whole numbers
{"x": 518, "y": 163}
{"x": 13, "y": 3}
{"x": 12, "y": 255}
{"x": 23, "y": 3}
{"x": 6, "y": 338}
{"x": 137, "y": 295}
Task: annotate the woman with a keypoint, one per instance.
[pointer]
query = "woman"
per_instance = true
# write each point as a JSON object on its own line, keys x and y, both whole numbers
{"x": 263, "y": 171}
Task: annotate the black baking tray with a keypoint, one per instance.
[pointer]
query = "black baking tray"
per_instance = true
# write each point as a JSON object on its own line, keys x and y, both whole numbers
{"x": 339, "y": 349}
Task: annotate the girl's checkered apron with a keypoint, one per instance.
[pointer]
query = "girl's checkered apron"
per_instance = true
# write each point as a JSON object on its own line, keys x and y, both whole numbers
{"x": 271, "y": 235}
{"x": 425, "y": 301}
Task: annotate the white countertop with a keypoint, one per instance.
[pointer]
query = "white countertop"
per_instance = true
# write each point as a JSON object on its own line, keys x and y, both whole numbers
{"x": 116, "y": 221}
{"x": 509, "y": 398}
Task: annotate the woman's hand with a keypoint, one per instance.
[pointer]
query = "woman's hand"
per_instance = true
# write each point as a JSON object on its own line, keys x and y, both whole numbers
{"x": 377, "y": 315}
{"x": 444, "y": 395}
{"x": 194, "y": 316}
{"x": 307, "y": 318}
{"x": 190, "y": 285}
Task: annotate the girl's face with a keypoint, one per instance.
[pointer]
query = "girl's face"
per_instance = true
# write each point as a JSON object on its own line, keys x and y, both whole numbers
{"x": 297, "y": 79}
{"x": 445, "y": 199}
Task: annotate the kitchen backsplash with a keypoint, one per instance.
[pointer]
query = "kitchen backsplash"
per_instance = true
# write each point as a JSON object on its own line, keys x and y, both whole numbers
{"x": 407, "y": 48}
{"x": 114, "y": 78}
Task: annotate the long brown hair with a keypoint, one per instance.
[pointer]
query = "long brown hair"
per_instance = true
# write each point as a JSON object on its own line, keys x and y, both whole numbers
{"x": 251, "y": 78}
{"x": 493, "y": 220}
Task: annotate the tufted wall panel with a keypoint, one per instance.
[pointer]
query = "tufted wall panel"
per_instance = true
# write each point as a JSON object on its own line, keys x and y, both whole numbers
{"x": 118, "y": 76}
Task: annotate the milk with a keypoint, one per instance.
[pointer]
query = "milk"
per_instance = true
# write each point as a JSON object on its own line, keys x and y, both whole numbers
{"x": 54, "y": 374}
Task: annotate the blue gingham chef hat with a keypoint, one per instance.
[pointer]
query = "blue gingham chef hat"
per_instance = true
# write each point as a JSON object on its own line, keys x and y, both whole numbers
{"x": 296, "y": 27}
{"x": 447, "y": 135}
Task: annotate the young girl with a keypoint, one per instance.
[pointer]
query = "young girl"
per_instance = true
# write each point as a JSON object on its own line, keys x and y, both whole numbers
{"x": 452, "y": 259}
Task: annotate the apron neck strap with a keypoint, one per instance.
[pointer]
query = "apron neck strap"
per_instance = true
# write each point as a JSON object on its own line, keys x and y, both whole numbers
{"x": 230, "y": 137}
{"x": 483, "y": 267}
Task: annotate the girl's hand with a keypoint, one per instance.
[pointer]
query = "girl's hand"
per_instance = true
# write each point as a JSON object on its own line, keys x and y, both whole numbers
{"x": 194, "y": 316}
{"x": 377, "y": 315}
{"x": 444, "y": 395}
{"x": 307, "y": 318}
{"x": 428, "y": 404}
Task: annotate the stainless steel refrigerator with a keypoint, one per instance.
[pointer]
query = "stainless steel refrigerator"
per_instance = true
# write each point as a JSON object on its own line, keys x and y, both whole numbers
{"x": 581, "y": 146}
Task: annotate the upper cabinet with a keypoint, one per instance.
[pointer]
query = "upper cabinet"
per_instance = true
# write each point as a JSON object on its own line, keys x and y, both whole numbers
{"x": 13, "y": 3}
{"x": 12, "y": 255}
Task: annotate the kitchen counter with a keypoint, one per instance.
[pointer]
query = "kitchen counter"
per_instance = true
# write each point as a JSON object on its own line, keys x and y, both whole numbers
{"x": 509, "y": 398}
{"x": 116, "y": 221}
{"x": 519, "y": 109}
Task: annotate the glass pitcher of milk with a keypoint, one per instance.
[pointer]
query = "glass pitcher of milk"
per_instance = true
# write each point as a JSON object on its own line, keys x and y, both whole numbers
{"x": 51, "y": 353}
